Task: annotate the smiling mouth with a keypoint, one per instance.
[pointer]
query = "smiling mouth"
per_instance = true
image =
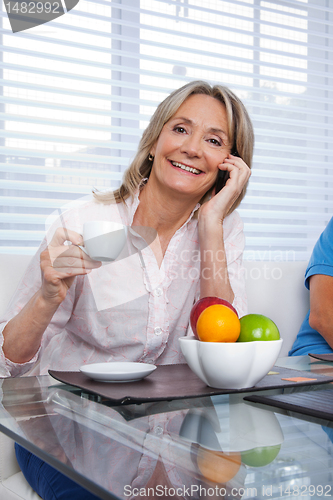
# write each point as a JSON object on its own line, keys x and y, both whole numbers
{"x": 185, "y": 167}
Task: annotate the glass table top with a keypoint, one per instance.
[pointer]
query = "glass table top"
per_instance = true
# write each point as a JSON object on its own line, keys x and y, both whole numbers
{"x": 211, "y": 447}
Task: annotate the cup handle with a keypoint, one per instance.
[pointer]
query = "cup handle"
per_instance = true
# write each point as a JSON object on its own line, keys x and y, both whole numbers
{"x": 85, "y": 251}
{"x": 82, "y": 248}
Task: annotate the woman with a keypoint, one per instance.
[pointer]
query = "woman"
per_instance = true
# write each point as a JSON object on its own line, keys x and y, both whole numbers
{"x": 196, "y": 128}
{"x": 72, "y": 314}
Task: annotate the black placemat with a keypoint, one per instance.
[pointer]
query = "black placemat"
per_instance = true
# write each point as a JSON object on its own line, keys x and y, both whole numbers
{"x": 317, "y": 403}
{"x": 169, "y": 382}
{"x": 322, "y": 357}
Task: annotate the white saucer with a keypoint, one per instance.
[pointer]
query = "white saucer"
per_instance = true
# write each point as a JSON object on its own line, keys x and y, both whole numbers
{"x": 117, "y": 371}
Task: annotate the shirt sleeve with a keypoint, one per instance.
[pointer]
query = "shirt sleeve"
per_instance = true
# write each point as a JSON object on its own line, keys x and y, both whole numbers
{"x": 234, "y": 242}
{"x": 321, "y": 261}
{"x": 27, "y": 287}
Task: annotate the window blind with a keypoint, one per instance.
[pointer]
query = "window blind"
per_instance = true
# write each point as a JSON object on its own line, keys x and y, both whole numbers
{"x": 78, "y": 92}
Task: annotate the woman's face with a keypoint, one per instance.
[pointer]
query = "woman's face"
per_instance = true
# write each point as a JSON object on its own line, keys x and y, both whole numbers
{"x": 191, "y": 146}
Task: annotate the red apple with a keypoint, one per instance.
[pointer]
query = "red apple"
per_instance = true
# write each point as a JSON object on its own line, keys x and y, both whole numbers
{"x": 201, "y": 304}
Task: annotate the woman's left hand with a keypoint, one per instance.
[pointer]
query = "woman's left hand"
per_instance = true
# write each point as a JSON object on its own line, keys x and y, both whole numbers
{"x": 219, "y": 205}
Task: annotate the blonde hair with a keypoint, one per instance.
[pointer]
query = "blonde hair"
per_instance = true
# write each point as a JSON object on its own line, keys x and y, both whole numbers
{"x": 240, "y": 133}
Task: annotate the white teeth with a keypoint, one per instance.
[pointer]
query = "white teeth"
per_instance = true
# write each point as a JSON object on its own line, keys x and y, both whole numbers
{"x": 185, "y": 167}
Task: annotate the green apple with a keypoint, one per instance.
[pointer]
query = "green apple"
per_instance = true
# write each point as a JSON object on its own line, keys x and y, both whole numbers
{"x": 257, "y": 327}
{"x": 258, "y": 457}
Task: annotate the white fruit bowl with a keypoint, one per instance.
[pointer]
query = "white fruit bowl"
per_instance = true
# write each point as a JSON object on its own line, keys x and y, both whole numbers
{"x": 234, "y": 365}
{"x": 238, "y": 426}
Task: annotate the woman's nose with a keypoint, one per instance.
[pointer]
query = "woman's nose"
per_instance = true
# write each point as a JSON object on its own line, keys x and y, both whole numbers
{"x": 192, "y": 145}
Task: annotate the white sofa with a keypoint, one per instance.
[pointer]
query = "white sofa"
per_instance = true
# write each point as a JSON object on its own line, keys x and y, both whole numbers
{"x": 13, "y": 485}
{"x": 274, "y": 289}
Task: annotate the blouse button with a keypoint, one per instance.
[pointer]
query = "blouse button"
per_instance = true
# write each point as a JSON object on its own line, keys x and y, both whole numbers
{"x": 157, "y": 330}
{"x": 158, "y": 292}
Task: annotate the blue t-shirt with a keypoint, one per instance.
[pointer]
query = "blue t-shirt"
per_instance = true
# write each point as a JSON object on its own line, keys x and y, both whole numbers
{"x": 321, "y": 262}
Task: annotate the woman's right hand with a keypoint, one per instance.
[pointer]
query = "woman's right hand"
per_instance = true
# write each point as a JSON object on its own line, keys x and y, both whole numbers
{"x": 61, "y": 263}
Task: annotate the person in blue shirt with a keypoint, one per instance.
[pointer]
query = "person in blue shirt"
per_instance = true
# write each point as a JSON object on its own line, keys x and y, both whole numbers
{"x": 316, "y": 332}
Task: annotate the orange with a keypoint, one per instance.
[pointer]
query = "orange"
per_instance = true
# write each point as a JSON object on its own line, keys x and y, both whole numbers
{"x": 218, "y": 323}
{"x": 218, "y": 466}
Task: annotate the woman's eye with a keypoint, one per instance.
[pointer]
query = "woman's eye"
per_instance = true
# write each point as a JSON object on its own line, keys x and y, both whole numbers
{"x": 216, "y": 142}
{"x": 179, "y": 129}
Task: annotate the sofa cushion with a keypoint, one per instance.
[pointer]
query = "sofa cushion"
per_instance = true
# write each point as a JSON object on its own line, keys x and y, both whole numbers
{"x": 17, "y": 488}
{"x": 276, "y": 289}
{"x": 8, "y": 462}
{"x": 12, "y": 268}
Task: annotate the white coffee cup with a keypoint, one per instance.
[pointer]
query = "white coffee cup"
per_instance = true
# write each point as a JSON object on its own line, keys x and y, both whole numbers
{"x": 104, "y": 240}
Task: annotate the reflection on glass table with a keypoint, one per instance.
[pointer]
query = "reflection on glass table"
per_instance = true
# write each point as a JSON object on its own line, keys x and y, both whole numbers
{"x": 208, "y": 447}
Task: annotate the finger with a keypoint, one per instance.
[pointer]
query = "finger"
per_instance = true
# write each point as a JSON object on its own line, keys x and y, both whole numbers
{"x": 237, "y": 167}
{"x": 236, "y": 163}
{"x": 73, "y": 251}
{"x": 239, "y": 162}
{"x": 62, "y": 273}
{"x": 60, "y": 263}
{"x": 245, "y": 172}
{"x": 53, "y": 277}
{"x": 226, "y": 167}
{"x": 238, "y": 177}
{"x": 63, "y": 234}
{"x": 67, "y": 261}
{"x": 72, "y": 256}
{"x": 232, "y": 169}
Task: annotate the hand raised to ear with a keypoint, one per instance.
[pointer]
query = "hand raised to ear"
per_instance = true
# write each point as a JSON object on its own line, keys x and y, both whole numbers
{"x": 219, "y": 205}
